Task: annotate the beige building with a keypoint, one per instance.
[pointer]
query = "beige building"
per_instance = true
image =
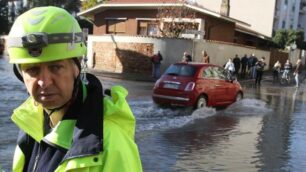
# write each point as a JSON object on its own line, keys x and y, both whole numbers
{"x": 258, "y": 13}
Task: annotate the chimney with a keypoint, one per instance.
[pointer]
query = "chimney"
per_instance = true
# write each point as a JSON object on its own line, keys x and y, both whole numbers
{"x": 225, "y": 8}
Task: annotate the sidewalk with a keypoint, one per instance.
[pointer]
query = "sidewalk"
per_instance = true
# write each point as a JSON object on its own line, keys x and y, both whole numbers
{"x": 146, "y": 77}
{"x": 123, "y": 76}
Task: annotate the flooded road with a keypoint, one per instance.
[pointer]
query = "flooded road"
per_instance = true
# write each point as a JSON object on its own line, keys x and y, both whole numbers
{"x": 12, "y": 93}
{"x": 263, "y": 132}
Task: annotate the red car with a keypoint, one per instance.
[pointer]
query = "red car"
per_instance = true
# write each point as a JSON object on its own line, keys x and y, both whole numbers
{"x": 196, "y": 85}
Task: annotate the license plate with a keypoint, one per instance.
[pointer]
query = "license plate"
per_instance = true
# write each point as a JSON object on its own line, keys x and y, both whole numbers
{"x": 171, "y": 86}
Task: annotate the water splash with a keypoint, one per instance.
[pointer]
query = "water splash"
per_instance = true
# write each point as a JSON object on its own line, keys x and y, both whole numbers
{"x": 248, "y": 107}
{"x": 151, "y": 117}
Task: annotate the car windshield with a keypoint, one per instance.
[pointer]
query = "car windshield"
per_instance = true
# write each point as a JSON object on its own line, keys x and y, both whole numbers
{"x": 181, "y": 70}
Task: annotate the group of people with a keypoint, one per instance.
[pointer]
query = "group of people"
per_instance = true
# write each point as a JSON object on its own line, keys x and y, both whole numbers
{"x": 252, "y": 64}
{"x": 157, "y": 58}
{"x": 288, "y": 68}
{"x": 187, "y": 57}
{"x": 245, "y": 65}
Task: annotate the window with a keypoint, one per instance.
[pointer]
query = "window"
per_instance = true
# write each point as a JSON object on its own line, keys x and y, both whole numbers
{"x": 215, "y": 73}
{"x": 207, "y": 73}
{"x": 222, "y": 74}
{"x": 181, "y": 70}
{"x": 293, "y": 8}
{"x": 147, "y": 28}
{"x": 115, "y": 26}
{"x": 286, "y": 2}
{"x": 283, "y": 24}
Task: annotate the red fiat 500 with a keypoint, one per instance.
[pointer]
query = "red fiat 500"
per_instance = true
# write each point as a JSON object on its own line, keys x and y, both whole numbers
{"x": 196, "y": 85}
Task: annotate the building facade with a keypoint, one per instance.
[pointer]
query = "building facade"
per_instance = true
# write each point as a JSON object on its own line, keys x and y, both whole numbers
{"x": 141, "y": 19}
{"x": 259, "y": 13}
{"x": 290, "y": 14}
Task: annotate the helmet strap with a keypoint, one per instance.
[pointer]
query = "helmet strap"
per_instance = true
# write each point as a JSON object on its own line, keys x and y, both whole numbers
{"x": 84, "y": 70}
{"x": 17, "y": 72}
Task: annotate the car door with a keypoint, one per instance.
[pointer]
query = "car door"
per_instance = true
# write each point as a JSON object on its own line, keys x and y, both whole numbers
{"x": 206, "y": 84}
{"x": 218, "y": 91}
{"x": 227, "y": 86}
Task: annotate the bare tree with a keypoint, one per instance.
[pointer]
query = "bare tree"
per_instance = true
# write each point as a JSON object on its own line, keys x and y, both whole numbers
{"x": 173, "y": 21}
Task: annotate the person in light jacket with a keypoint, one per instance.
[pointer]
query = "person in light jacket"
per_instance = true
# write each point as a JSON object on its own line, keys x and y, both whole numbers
{"x": 230, "y": 67}
{"x": 297, "y": 72}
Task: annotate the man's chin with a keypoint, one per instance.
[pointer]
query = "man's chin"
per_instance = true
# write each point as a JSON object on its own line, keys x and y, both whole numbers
{"x": 50, "y": 105}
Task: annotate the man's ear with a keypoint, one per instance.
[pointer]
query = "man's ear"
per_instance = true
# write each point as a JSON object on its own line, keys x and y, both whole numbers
{"x": 76, "y": 70}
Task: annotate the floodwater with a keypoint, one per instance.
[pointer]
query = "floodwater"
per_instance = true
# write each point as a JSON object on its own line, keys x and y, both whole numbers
{"x": 263, "y": 132}
{"x": 12, "y": 93}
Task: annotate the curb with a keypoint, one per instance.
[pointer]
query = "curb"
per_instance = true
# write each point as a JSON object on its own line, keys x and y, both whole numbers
{"x": 123, "y": 76}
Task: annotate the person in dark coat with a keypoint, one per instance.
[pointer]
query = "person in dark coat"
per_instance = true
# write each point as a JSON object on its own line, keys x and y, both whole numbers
{"x": 156, "y": 62}
{"x": 236, "y": 62}
{"x": 259, "y": 66}
{"x": 251, "y": 66}
{"x": 244, "y": 62}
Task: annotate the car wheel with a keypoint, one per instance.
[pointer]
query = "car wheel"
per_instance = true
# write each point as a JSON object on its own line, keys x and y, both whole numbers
{"x": 239, "y": 97}
{"x": 201, "y": 102}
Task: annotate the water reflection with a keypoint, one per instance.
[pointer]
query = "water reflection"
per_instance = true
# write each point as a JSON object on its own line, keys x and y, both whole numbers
{"x": 12, "y": 93}
{"x": 276, "y": 142}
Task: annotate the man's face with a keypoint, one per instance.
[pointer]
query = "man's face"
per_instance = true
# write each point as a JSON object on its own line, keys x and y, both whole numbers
{"x": 51, "y": 83}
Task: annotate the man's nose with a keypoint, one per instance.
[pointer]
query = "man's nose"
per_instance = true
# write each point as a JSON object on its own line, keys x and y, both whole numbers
{"x": 45, "y": 78}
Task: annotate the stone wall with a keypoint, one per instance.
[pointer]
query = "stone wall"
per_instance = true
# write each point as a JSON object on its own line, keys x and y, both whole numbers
{"x": 119, "y": 54}
{"x": 220, "y": 52}
{"x": 123, "y": 57}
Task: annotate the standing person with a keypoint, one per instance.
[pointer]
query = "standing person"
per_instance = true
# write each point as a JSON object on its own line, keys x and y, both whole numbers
{"x": 250, "y": 62}
{"x": 287, "y": 69}
{"x": 236, "y": 62}
{"x": 186, "y": 57}
{"x": 244, "y": 62}
{"x": 66, "y": 125}
{"x": 298, "y": 71}
{"x": 156, "y": 62}
{"x": 230, "y": 67}
{"x": 259, "y": 66}
{"x": 276, "y": 69}
{"x": 254, "y": 62}
{"x": 205, "y": 57}
{"x": 251, "y": 65}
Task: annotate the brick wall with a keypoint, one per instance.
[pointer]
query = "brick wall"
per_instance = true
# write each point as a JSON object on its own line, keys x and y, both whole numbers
{"x": 123, "y": 57}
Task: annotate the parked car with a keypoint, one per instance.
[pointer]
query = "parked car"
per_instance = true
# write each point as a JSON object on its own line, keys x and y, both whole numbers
{"x": 196, "y": 85}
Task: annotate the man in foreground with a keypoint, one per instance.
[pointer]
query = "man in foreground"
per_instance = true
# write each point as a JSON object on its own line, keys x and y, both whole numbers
{"x": 65, "y": 124}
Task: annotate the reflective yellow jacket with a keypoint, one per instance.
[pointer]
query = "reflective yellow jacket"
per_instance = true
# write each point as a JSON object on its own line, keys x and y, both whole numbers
{"x": 120, "y": 153}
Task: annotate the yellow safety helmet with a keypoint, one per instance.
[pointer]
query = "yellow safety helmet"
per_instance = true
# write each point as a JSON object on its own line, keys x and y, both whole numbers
{"x": 45, "y": 34}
